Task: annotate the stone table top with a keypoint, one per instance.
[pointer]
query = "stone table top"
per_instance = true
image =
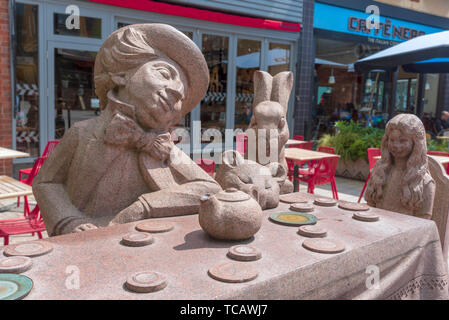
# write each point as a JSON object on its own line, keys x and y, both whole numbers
{"x": 406, "y": 250}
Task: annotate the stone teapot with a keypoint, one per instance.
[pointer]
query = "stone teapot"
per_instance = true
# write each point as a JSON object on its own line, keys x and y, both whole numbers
{"x": 230, "y": 214}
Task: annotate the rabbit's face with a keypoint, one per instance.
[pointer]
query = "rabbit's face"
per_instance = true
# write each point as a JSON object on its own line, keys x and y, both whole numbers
{"x": 269, "y": 115}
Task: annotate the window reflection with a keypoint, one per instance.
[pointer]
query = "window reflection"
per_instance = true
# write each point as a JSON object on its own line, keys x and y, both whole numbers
{"x": 248, "y": 61}
{"x": 27, "y": 79}
{"x": 278, "y": 58}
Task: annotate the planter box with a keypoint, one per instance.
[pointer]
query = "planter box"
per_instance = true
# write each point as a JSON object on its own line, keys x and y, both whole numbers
{"x": 358, "y": 169}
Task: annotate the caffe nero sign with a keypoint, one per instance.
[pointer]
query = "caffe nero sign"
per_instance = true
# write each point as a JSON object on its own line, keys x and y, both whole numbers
{"x": 389, "y": 30}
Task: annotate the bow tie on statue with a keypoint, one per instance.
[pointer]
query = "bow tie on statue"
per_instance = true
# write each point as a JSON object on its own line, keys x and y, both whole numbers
{"x": 125, "y": 132}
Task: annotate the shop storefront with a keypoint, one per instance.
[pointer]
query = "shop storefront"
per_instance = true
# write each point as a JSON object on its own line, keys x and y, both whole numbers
{"x": 343, "y": 36}
{"x": 54, "y": 63}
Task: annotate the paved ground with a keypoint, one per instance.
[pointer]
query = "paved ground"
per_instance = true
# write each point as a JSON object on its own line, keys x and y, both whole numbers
{"x": 347, "y": 190}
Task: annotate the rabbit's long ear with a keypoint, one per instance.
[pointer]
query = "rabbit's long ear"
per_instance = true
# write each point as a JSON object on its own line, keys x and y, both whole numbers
{"x": 262, "y": 87}
{"x": 282, "y": 86}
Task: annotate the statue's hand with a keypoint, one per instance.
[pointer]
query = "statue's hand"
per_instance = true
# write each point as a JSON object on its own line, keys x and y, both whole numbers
{"x": 160, "y": 147}
{"x": 85, "y": 227}
{"x": 134, "y": 212}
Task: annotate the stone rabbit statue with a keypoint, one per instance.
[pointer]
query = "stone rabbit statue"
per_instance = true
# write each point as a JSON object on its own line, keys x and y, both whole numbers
{"x": 268, "y": 127}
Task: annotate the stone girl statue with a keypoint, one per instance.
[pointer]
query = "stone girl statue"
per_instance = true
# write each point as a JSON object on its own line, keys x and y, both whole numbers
{"x": 401, "y": 181}
{"x": 122, "y": 166}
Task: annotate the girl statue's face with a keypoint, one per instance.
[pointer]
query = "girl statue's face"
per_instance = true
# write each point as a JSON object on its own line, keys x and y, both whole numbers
{"x": 400, "y": 144}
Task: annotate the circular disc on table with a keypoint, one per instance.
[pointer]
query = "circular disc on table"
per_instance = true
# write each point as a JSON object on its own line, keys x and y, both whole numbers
{"x": 137, "y": 239}
{"x": 14, "y": 286}
{"x": 29, "y": 249}
{"x": 302, "y": 207}
{"x": 154, "y": 226}
{"x": 312, "y": 231}
{"x": 293, "y": 218}
{"x": 146, "y": 281}
{"x": 293, "y": 198}
{"x": 233, "y": 272}
{"x": 365, "y": 216}
{"x": 15, "y": 264}
{"x": 244, "y": 253}
{"x": 325, "y": 202}
{"x": 353, "y": 206}
{"x": 324, "y": 245}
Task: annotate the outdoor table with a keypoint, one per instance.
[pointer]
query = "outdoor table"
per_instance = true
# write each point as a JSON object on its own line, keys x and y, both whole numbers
{"x": 292, "y": 141}
{"x": 11, "y": 188}
{"x": 297, "y": 154}
{"x": 405, "y": 250}
{"x": 6, "y": 153}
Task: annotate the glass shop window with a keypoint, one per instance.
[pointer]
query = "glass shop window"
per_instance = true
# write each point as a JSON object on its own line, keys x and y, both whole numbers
{"x": 278, "y": 58}
{"x": 88, "y": 27}
{"x": 27, "y": 107}
{"x": 248, "y": 61}
{"x": 213, "y": 105}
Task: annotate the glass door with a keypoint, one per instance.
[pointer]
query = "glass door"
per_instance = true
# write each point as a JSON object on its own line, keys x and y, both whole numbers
{"x": 71, "y": 86}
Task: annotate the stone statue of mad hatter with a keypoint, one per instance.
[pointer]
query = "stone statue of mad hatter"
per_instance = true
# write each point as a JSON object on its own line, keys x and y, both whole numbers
{"x": 122, "y": 166}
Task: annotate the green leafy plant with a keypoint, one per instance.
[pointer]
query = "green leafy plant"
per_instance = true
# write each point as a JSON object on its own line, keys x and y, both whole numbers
{"x": 351, "y": 141}
{"x": 437, "y": 145}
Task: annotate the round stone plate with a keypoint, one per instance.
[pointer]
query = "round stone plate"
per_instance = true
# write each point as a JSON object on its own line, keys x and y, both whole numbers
{"x": 365, "y": 216}
{"x": 353, "y": 206}
{"x": 324, "y": 245}
{"x": 29, "y": 249}
{"x": 244, "y": 253}
{"x": 293, "y": 198}
{"x": 325, "y": 202}
{"x": 302, "y": 207}
{"x": 233, "y": 272}
{"x": 137, "y": 239}
{"x": 312, "y": 231}
{"x": 146, "y": 281}
{"x": 15, "y": 264}
{"x": 154, "y": 226}
{"x": 293, "y": 218}
{"x": 14, "y": 286}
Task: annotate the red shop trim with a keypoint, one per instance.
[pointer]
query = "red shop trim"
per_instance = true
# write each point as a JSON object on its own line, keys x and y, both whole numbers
{"x": 200, "y": 14}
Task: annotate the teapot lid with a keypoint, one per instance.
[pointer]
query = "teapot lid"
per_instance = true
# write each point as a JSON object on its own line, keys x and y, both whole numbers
{"x": 232, "y": 195}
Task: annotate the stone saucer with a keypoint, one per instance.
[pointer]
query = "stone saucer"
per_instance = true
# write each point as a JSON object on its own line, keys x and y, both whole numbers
{"x": 366, "y": 216}
{"x": 312, "y": 231}
{"x": 233, "y": 272}
{"x": 244, "y": 253}
{"x": 325, "y": 202}
{"x": 15, "y": 264}
{"x": 137, "y": 239}
{"x": 154, "y": 226}
{"x": 293, "y": 198}
{"x": 324, "y": 245}
{"x": 353, "y": 206}
{"x": 302, "y": 207}
{"x": 146, "y": 281}
{"x": 29, "y": 249}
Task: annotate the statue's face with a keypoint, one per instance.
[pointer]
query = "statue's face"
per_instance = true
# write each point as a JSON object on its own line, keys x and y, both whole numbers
{"x": 400, "y": 145}
{"x": 156, "y": 89}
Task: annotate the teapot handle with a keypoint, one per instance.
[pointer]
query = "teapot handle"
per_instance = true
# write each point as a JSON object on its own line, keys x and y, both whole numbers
{"x": 254, "y": 193}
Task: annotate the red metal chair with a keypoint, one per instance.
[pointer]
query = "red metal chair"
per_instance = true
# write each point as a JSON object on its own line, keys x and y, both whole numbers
{"x": 320, "y": 172}
{"x": 372, "y": 152}
{"x": 440, "y": 154}
{"x": 291, "y": 163}
{"x": 51, "y": 145}
{"x": 29, "y": 181}
{"x": 241, "y": 142}
{"x": 31, "y": 223}
{"x": 207, "y": 165}
{"x": 326, "y": 149}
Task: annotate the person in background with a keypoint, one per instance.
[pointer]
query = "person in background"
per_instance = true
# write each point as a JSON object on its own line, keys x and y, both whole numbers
{"x": 442, "y": 123}
{"x": 245, "y": 117}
